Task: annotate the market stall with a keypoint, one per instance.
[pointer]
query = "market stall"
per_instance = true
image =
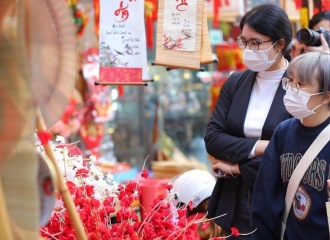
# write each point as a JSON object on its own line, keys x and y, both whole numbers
{"x": 115, "y": 110}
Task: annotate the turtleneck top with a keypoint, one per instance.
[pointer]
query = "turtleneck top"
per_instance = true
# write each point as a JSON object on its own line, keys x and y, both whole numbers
{"x": 262, "y": 96}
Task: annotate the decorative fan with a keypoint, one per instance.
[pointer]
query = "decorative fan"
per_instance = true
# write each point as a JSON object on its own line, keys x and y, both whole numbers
{"x": 52, "y": 56}
{"x": 37, "y": 39}
{"x": 53, "y": 65}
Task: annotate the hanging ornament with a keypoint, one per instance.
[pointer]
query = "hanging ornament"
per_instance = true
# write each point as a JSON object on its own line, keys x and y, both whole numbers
{"x": 316, "y": 6}
{"x": 298, "y": 4}
{"x": 79, "y": 16}
{"x": 304, "y": 14}
{"x": 150, "y": 18}
{"x": 217, "y": 6}
{"x": 325, "y": 5}
{"x": 123, "y": 53}
{"x": 96, "y": 6}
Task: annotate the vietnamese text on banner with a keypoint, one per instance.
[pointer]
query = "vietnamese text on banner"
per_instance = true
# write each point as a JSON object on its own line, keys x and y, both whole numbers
{"x": 123, "y": 53}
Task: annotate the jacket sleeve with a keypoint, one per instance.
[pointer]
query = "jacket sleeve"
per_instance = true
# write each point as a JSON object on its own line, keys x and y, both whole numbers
{"x": 268, "y": 194}
{"x": 218, "y": 142}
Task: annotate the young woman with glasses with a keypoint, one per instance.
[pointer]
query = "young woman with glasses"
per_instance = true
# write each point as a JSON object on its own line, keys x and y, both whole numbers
{"x": 249, "y": 107}
{"x": 307, "y": 99}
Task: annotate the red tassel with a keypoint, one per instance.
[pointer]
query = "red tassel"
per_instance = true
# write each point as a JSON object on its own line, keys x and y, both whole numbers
{"x": 217, "y": 4}
{"x": 298, "y": 4}
{"x": 120, "y": 91}
{"x": 150, "y": 33}
{"x": 96, "y": 5}
{"x": 325, "y": 5}
{"x": 151, "y": 16}
{"x": 316, "y": 10}
{"x": 149, "y": 24}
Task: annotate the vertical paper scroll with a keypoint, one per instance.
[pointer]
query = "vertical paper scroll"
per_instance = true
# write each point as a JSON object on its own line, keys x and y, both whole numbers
{"x": 182, "y": 35}
{"x": 123, "y": 53}
{"x": 181, "y": 47}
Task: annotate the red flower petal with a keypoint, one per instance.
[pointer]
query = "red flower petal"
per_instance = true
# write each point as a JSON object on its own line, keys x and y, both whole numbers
{"x": 44, "y": 137}
{"x": 169, "y": 187}
{"x": 190, "y": 205}
{"x": 205, "y": 226}
{"x": 144, "y": 173}
{"x": 234, "y": 231}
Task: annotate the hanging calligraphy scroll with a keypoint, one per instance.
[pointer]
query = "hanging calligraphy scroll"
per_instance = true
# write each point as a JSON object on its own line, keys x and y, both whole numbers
{"x": 123, "y": 53}
{"x": 179, "y": 34}
{"x": 206, "y": 52}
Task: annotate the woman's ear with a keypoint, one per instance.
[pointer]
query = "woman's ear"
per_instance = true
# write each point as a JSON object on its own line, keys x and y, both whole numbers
{"x": 326, "y": 99}
{"x": 280, "y": 44}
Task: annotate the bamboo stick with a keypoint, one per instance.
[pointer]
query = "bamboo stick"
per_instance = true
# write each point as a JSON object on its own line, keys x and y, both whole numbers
{"x": 148, "y": 80}
{"x": 121, "y": 83}
{"x": 5, "y": 231}
{"x": 61, "y": 185}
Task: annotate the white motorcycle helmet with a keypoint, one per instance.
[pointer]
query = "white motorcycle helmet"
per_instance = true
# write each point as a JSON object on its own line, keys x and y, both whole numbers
{"x": 194, "y": 185}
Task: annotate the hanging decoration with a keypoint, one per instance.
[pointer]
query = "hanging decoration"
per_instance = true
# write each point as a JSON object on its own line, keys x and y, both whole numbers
{"x": 182, "y": 35}
{"x": 217, "y": 5}
{"x": 316, "y": 7}
{"x": 298, "y": 4}
{"x": 302, "y": 6}
{"x": 123, "y": 55}
{"x": 325, "y": 5}
{"x": 205, "y": 52}
{"x": 150, "y": 18}
{"x": 304, "y": 14}
{"x": 96, "y": 7}
{"x": 98, "y": 106}
{"x": 216, "y": 13}
{"x": 97, "y": 96}
{"x": 79, "y": 15}
{"x": 231, "y": 57}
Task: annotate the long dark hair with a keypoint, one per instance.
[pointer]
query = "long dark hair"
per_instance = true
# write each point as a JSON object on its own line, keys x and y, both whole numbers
{"x": 270, "y": 20}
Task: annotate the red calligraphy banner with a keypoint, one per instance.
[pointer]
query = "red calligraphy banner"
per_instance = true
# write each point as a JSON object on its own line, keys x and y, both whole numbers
{"x": 123, "y": 53}
{"x": 117, "y": 74}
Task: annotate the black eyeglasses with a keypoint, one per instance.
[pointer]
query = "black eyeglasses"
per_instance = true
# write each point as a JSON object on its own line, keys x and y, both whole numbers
{"x": 253, "y": 44}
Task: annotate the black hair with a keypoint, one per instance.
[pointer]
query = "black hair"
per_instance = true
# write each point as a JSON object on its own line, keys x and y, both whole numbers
{"x": 270, "y": 20}
{"x": 318, "y": 18}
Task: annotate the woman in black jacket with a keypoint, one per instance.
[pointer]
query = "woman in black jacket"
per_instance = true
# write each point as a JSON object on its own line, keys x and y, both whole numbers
{"x": 249, "y": 107}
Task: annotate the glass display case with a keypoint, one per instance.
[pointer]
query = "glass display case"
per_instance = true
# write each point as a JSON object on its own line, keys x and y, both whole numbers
{"x": 169, "y": 113}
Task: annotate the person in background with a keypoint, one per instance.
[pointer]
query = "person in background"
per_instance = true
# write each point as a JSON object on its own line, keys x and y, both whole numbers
{"x": 194, "y": 186}
{"x": 307, "y": 98}
{"x": 249, "y": 108}
{"x": 321, "y": 19}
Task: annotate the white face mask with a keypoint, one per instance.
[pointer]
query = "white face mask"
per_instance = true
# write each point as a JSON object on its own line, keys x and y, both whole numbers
{"x": 296, "y": 104}
{"x": 258, "y": 61}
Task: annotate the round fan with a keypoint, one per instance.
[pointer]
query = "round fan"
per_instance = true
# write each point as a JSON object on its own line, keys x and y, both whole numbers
{"x": 52, "y": 56}
{"x": 36, "y": 37}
